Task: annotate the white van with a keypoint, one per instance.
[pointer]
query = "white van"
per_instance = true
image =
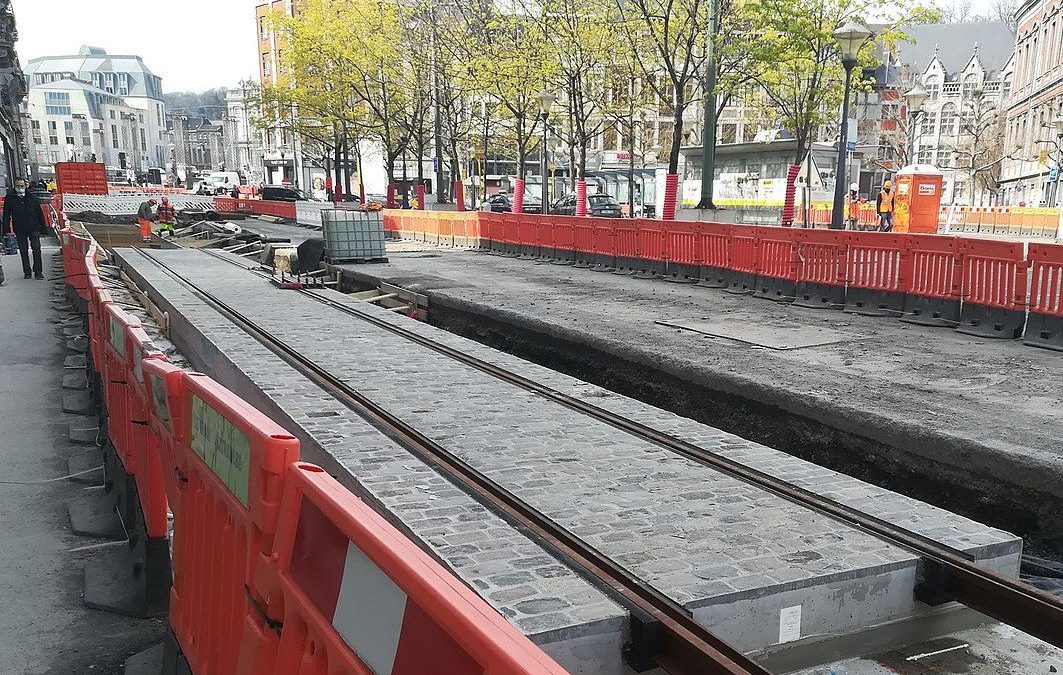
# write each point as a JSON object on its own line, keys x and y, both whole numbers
{"x": 222, "y": 181}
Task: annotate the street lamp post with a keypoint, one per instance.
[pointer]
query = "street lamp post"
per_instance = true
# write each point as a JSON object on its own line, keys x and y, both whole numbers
{"x": 546, "y": 101}
{"x": 851, "y": 37}
{"x": 915, "y": 98}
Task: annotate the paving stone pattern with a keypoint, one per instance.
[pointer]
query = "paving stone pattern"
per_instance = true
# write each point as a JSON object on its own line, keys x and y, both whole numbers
{"x": 698, "y": 535}
{"x": 528, "y": 585}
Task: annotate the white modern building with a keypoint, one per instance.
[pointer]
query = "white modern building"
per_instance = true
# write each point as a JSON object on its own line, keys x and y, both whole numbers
{"x": 243, "y": 144}
{"x": 97, "y": 104}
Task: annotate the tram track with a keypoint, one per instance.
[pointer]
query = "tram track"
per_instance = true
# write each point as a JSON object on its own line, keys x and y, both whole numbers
{"x": 684, "y": 646}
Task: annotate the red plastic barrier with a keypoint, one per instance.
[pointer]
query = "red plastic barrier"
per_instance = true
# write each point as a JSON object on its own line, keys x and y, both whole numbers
{"x": 743, "y": 254}
{"x": 777, "y": 263}
{"x": 583, "y": 231}
{"x": 934, "y": 264}
{"x": 354, "y": 595}
{"x": 164, "y": 385}
{"x": 511, "y": 233}
{"x": 604, "y": 244}
{"x": 277, "y": 209}
{"x": 1045, "y": 326}
{"x": 671, "y": 192}
{"x": 490, "y": 230}
{"x": 993, "y": 287}
{"x": 626, "y": 236}
{"x": 994, "y": 273}
{"x": 81, "y": 178}
{"x": 877, "y": 273}
{"x": 235, "y": 460}
{"x": 225, "y": 204}
{"x": 821, "y": 257}
{"x": 564, "y": 237}
{"x": 148, "y": 473}
{"x": 116, "y": 380}
{"x": 545, "y": 236}
{"x": 527, "y": 233}
{"x": 99, "y": 299}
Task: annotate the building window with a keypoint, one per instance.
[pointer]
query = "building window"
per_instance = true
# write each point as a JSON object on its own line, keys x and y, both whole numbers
{"x": 925, "y": 156}
{"x": 85, "y": 140}
{"x": 949, "y": 119}
{"x": 266, "y": 66}
{"x": 36, "y": 125}
{"x": 53, "y": 133}
{"x": 68, "y": 127}
{"x": 57, "y": 103}
{"x": 969, "y": 84}
{"x": 927, "y": 121}
{"x": 112, "y": 114}
{"x": 143, "y": 140}
{"x": 933, "y": 87}
{"x": 263, "y": 30}
{"x": 114, "y": 136}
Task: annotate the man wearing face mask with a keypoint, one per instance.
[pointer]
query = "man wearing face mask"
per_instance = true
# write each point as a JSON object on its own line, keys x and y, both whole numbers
{"x": 23, "y": 216}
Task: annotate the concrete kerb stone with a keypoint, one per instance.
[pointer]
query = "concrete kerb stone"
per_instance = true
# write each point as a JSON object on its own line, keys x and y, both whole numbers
{"x": 625, "y": 538}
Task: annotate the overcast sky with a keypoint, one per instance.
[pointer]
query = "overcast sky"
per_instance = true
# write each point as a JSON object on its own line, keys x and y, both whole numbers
{"x": 191, "y": 44}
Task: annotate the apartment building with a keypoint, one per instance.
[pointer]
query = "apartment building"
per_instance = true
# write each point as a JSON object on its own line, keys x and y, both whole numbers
{"x": 1034, "y": 125}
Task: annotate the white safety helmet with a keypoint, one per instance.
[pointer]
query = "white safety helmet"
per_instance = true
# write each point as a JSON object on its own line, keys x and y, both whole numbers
{"x": 854, "y": 187}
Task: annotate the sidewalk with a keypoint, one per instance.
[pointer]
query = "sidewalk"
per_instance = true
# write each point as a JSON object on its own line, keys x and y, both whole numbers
{"x": 44, "y": 629}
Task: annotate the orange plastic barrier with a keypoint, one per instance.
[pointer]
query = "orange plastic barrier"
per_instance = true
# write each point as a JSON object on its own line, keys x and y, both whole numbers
{"x": 993, "y": 288}
{"x": 875, "y": 273}
{"x": 627, "y": 245}
{"x": 233, "y": 460}
{"x": 777, "y": 263}
{"x": 683, "y": 251}
{"x": 743, "y": 255}
{"x": 821, "y": 258}
{"x": 653, "y": 252}
{"x": 713, "y": 243}
{"x": 932, "y": 282}
{"x": 354, "y": 595}
{"x": 583, "y": 233}
{"x": 1045, "y": 325}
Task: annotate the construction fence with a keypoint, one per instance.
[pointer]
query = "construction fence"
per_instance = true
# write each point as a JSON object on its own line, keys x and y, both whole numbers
{"x": 276, "y": 568}
{"x": 984, "y": 287}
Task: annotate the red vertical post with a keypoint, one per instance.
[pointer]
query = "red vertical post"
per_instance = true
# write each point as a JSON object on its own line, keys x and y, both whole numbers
{"x": 518, "y": 196}
{"x": 581, "y": 198}
{"x": 459, "y": 195}
{"x": 671, "y": 191}
{"x": 420, "y": 197}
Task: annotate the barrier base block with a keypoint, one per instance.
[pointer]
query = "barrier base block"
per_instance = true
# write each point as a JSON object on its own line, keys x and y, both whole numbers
{"x": 151, "y": 661}
{"x": 741, "y": 283}
{"x": 819, "y": 296}
{"x": 775, "y": 288}
{"x": 931, "y": 311}
{"x": 711, "y": 277}
{"x": 94, "y": 515}
{"x": 681, "y": 274}
{"x": 991, "y": 322}
{"x": 74, "y": 361}
{"x": 627, "y": 266}
{"x": 130, "y": 581}
{"x": 89, "y": 465}
{"x": 78, "y": 403}
{"x": 77, "y": 381}
{"x": 1045, "y": 331}
{"x": 82, "y": 433}
{"x": 604, "y": 263}
{"x": 869, "y": 302}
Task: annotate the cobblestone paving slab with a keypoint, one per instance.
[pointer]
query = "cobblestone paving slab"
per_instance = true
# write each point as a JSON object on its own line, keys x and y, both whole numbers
{"x": 700, "y": 536}
{"x": 540, "y": 595}
{"x": 948, "y": 528}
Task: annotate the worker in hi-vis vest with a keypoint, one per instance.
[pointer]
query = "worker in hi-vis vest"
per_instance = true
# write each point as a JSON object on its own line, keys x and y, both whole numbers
{"x": 884, "y": 207}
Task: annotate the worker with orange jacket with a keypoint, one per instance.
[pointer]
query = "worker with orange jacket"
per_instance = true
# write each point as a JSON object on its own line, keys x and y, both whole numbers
{"x": 884, "y": 207}
{"x": 166, "y": 215}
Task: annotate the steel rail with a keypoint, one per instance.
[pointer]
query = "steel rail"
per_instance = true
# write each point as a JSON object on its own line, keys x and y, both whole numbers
{"x": 673, "y": 640}
{"x": 948, "y": 574}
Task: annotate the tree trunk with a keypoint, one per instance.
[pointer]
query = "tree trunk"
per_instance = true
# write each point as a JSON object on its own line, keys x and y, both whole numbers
{"x": 677, "y": 132}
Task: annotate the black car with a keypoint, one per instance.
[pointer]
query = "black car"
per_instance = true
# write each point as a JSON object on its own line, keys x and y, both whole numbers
{"x": 503, "y": 203}
{"x": 600, "y": 206}
{"x": 282, "y": 193}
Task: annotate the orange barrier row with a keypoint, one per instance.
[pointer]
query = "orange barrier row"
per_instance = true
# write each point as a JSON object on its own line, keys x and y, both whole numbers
{"x": 1000, "y": 220}
{"x": 978, "y": 286}
{"x": 276, "y": 568}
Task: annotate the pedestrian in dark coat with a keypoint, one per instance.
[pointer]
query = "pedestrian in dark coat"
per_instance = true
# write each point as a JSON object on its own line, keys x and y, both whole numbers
{"x": 24, "y": 217}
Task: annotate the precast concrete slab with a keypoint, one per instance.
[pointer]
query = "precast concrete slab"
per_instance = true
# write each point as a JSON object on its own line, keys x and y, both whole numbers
{"x": 572, "y": 620}
{"x": 758, "y": 569}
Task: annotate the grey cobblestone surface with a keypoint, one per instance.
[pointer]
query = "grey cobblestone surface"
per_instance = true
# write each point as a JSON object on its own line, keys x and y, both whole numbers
{"x": 525, "y": 583}
{"x": 700, "y": 536}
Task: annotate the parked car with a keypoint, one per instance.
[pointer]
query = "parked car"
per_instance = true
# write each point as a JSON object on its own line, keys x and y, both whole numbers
{"x": 282, "y": 193}
{"x": 600, "y": 206}
{"x": 503, "y": 203}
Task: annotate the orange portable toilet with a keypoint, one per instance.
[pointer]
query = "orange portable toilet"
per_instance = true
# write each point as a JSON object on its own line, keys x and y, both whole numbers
{"x": 917, "y": 199}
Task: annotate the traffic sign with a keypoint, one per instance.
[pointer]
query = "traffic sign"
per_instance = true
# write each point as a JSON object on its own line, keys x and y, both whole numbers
{"x": 1053, "y": 175}
{"x": 851, "y": 146}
